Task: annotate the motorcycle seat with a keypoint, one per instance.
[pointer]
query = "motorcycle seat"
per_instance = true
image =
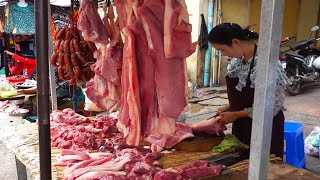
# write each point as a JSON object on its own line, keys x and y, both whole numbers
{"x": 296, "y": 55}
{"x": 303, "y": 44}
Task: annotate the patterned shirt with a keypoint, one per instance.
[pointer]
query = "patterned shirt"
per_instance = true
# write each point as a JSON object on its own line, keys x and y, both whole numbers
{"x": 236, "y": 68}
{"x": 21, "y": 19}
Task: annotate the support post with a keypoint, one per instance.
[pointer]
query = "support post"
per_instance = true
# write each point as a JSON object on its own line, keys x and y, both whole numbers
{"x": 53, "y": 91}
{"x": 268, "y": 53}
{"x": 207, "y": 61}
{"x": 41, "y": 19}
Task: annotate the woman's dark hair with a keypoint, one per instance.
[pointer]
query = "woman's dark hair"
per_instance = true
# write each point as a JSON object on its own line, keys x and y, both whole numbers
{"x": 224, "y": 34}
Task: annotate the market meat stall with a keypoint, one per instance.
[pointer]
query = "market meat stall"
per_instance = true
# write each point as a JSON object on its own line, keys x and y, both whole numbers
{"x": 145, "y": 77}
{"x": 22, "y": 140}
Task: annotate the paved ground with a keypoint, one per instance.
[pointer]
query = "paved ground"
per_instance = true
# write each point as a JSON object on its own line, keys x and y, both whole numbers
{"x": 305, "y": 108}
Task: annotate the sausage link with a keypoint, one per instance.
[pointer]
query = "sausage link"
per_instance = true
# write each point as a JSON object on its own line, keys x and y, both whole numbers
{"x": 61, "y": 33}
{"x": 66, "y": 46}
{"x": 68, "y": 34}
{"x": 77, "y": 73}
{"x": 92, "y": 46}
{"x": 54, "y": 59}
{"x": 74, "y": 60}
{"x": 56, "y": 45}
{"x": 61, "y": 73}
{"x": 60, "y": 60}
{"x": 81, "y": 57}
{"x": 76, "y": 45}
{"x": 61, "y": 46}
{"x": 71, "y": 47}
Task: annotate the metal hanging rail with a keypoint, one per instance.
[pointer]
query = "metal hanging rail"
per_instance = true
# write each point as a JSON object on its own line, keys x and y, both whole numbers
{"x": 42, "y": 43}
{"x": 264, "y": 95}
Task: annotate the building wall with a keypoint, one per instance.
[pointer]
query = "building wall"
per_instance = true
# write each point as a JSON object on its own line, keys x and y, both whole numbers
{"x": 236, "y": 12}
{"x": 291, "y": 17}
{"x": 194, "y": 11}
{"x": 308, "y": 17}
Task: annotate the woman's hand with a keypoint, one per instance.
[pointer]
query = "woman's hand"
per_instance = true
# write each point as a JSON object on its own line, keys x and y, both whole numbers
{"x": 223, "y": 108}
{"x": 228, "y": 117}
{"x": 21, "y": 91}
{"x": 8, "y": 52}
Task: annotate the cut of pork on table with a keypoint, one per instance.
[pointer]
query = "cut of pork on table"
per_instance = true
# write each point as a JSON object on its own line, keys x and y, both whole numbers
{"x": 210, "y": 126}
{"x": 194, "y": 170}
{"x": 73, "y": 131}
{"x": 129, "y": 163}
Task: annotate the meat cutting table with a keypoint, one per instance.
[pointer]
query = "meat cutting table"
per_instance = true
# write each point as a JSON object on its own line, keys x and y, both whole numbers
{"x": 22, "y": 140}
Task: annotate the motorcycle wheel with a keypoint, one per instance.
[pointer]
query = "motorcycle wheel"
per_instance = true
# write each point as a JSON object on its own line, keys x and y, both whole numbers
{"x": 296, "y": 86}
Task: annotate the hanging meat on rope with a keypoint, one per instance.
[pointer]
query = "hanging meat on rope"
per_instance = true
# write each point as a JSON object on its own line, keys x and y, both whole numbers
{"x": 104, "y": 88}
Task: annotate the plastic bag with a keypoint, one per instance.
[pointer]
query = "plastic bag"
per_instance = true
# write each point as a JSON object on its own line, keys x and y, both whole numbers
{"x": 311, "y": 143}
{"x": 7, "y": 90}
{"x": 229, "y": 141}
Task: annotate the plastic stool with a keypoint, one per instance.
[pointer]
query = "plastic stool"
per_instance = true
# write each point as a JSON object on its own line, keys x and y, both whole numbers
{"x": 293, "y": 134}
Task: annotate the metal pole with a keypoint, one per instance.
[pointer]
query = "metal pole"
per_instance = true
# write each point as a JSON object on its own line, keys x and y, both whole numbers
{"x": 219, "y": 53}
{"x": 53, "y": 91}
{"x": 207, "y": 61}
{"x": 268, "y": 53}
{"x": 74, "y": 98}
{"x": 41, "y": 17}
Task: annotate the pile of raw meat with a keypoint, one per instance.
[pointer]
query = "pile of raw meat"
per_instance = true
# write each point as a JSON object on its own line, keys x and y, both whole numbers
{"x": 124, "y": 164}
{"x": 128, "y": 164}
{"x": 8, "y": 107}
{"x": 197, "y": 169}
{"x": 77, "y": 137}
{"x": 146, "y": 76}
{"x": 73, "y": 131}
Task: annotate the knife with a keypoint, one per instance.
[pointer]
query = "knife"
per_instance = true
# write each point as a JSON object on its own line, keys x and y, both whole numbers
{"x": 229, "y": 158}
{"x": 215, "y": 115}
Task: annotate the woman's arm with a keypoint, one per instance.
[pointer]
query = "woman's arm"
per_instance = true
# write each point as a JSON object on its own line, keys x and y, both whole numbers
{"x": 224, "y": 108}
{"x": 230, "y": 117}
{"x": 20, "y": 58}
{"x": 32, "y": 90}
{"x": 24, "y": 60}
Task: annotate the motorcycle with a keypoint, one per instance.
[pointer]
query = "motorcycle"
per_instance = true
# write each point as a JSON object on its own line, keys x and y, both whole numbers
{"x": 303, "y": 67}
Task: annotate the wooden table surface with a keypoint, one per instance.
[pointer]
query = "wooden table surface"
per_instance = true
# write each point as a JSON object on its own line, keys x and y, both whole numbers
{"x": 22, "y": 140}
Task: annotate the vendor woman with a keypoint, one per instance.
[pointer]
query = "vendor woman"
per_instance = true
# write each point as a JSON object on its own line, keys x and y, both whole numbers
{"x": 237, "y": 44}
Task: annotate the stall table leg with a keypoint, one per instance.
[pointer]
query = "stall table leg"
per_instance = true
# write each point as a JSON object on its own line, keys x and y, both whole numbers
{"x": 21, "y": 170}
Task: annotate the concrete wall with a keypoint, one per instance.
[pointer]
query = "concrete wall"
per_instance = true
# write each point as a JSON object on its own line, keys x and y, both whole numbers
{"x": 233, "y": 11}
{"x": 292, "y": 19}
{"x": 237, "y": 12}
{"x": 194, "y": 11}
{"x": 308, "y": 17}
